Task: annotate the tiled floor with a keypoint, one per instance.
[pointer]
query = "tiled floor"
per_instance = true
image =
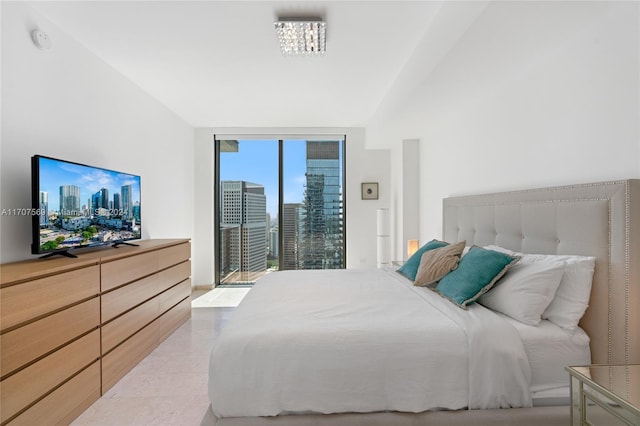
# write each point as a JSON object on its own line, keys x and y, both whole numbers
{"x": 220, "y": 297}
{"x": 169, "y": 387}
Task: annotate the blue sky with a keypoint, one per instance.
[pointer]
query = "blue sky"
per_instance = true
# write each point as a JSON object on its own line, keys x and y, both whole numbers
{"x": 54, "y": 174}
{"x": 257, "y": 161}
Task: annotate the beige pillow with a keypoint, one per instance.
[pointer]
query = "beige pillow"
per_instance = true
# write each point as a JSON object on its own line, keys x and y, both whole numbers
{"x": 435, "y": 264}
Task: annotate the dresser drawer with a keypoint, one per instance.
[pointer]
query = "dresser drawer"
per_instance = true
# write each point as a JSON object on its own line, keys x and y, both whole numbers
{"x": 124, "y": 298}
{"x": 175, "y": 274}
{"x": 173, "y": 255}
{"x": 23, "y": 302}
{"x": 65, "y": 403}
{"x": 25, "y": 344}
{"x": 174, "y": 318}
{"x": 119, "y": 361}
{"x": 125, "y": 325}
{"x": 174, "y": 295}
{"x": 123, "y": 271}
{"x": 27, "y": 385}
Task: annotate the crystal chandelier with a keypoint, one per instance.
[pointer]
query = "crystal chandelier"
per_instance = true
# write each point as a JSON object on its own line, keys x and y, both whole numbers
{"x": 301, "y": 36}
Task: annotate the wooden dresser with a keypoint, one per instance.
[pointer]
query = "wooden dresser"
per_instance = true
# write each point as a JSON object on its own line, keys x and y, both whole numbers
{"x": 71, "y": 328}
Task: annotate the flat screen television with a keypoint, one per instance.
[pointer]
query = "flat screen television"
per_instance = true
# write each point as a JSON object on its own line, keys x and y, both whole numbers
{"x": 79, "y": 206}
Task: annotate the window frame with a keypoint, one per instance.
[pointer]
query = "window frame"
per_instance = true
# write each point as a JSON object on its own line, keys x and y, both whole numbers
{"x": 281, "y": 139}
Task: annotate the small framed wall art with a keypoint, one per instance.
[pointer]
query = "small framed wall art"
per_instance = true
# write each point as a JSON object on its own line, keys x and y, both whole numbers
{"x": 369, "y": 190}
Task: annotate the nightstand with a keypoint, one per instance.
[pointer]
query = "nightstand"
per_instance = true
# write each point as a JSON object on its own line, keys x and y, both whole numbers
{"x": 605, "y": 395}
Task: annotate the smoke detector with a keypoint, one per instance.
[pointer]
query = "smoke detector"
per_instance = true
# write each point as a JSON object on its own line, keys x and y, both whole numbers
{"x": 41, "y": 39}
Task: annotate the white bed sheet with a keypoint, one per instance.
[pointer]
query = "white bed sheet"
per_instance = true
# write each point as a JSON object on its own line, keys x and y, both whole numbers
{"x": 550, "y": 349}
{"x": 361, "y": 341}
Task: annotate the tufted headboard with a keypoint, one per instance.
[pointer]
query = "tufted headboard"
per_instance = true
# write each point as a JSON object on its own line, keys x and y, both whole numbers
{"x": 598, "y": 219}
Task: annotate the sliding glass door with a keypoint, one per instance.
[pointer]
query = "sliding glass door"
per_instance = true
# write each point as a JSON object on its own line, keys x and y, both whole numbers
{"x": 313, "y": 207}
{"x": 248, "y": 196}
{"x": 279, "y": 205}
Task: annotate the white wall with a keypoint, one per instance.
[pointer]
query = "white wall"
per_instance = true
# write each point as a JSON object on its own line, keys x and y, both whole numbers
{"x": 67, "y": 103}
{"x": 363, "y": 165}
{"x": 203, "y": 256}
{"x": 409, "y": 220}
{"x": 532, "y": 94}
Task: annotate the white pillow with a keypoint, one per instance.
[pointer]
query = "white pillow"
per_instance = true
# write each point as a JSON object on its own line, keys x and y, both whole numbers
{"x": 572, "y": 298}
{"x": 525, "y": 291}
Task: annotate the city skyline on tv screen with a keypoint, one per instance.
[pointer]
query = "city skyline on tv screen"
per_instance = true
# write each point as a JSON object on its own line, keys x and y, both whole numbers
{"x": 80, "y": 205}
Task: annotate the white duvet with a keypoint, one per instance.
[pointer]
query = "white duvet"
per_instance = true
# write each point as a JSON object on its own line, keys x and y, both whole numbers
{"x": 361, "y": 341}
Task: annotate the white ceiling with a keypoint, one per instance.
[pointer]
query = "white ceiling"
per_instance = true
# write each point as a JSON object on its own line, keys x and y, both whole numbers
{"x": 218, "y": 63}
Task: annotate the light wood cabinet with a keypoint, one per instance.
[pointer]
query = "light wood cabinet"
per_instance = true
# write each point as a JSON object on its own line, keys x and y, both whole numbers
{"x": 71, "y": 328}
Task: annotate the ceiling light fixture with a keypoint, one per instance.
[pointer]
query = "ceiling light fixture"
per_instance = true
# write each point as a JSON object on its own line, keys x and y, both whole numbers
{"x": 301, "y": 36}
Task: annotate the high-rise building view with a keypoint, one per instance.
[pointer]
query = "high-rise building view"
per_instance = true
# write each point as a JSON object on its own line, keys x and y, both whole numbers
{"x": 243, "y": 228}
{"x": 310, "y": 233}
{"x": 44, "y": 208}
{"x": 136, "y": 212}
{"x": 274, "y": 241}
{"x": 292, "y": 219}
{"x": 322, "y": 233}
{"x": 116, "y": 202}
{"x": 127, "y": 201}
{"x": 100, "y": 201}
{"x": 69, "y": 200}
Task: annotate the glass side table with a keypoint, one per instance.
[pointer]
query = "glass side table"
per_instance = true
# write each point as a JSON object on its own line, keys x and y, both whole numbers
{"x": 605, "y": 395}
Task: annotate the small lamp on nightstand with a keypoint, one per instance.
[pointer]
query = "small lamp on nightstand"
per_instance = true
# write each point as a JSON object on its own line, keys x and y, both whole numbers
{"x": 412, "y": 247}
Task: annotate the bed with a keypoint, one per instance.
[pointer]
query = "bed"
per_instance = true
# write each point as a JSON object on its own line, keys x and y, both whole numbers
{"x": 372, "y": 352}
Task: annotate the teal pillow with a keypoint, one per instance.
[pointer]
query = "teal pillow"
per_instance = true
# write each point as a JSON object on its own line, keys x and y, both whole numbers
{"x": 410, "y": 267}
{"x": 476, "y": 273}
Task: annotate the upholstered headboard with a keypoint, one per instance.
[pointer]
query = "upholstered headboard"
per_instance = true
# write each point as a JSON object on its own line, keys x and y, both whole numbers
{"x": 598, "y": 219}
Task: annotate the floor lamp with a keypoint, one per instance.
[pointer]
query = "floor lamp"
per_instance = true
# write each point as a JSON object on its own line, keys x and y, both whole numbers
{"x": 383, "y": 257}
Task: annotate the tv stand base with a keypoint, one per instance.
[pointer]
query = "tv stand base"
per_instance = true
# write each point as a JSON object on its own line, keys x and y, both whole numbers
{"x": 61, "y": 253}
{"x": 122, "y": 243}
